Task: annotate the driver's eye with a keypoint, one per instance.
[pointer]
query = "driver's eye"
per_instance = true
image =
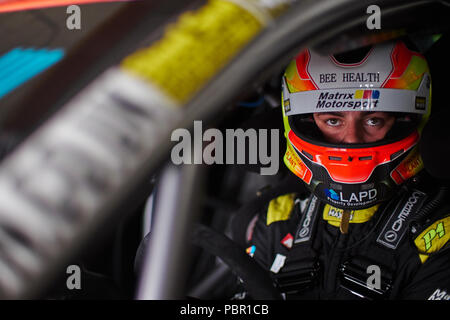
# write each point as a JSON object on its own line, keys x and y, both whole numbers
{"x": 374, "y": 122}
{"x": 333, "y": 122}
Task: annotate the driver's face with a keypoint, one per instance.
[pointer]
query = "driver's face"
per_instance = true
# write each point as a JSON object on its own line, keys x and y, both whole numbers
{"x": 354, "y": 126}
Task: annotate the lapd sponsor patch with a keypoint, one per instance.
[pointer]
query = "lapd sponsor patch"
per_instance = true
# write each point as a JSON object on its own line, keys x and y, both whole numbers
{"x": 396, "y": 227}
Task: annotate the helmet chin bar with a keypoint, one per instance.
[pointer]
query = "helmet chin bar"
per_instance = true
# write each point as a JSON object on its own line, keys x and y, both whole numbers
{"x": 352, "y": 165}
{"x": 355, "y": 178}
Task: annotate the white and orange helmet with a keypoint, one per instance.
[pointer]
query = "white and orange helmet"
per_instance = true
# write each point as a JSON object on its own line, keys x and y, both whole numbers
{"x": 388, "y": 77}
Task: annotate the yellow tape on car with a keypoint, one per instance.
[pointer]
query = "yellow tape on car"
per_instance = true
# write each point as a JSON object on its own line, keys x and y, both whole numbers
{"x": 195, "y": 48}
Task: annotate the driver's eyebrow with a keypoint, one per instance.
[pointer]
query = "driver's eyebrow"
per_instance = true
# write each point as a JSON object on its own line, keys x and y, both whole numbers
{"x": 337, "y": 114}
{"x": 341, "y": 114}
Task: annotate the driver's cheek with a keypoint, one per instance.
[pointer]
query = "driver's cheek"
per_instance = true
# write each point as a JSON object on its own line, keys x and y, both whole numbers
{"x": 373, "y": 134}
{"x": 334, "y": 135}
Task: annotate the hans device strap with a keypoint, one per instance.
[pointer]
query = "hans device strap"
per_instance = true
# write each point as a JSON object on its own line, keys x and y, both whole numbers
{"x": 382, "y": 253}
{"x": 300, "y": 272}
{"x": 397, "y": 224}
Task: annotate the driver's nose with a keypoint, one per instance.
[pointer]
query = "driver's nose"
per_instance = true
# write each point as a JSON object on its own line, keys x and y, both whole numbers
{"x": 353, "y": 132}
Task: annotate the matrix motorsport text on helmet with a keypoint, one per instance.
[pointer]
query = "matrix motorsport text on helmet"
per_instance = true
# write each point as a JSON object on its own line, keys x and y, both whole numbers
{"x": 388, "y": 78}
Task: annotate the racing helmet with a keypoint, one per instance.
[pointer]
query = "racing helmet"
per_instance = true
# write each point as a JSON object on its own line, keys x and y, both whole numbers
{"x": 388, "y": 77}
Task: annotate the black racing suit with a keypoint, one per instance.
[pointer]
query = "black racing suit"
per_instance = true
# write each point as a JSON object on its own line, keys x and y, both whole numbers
{"x": 400, "y": 252}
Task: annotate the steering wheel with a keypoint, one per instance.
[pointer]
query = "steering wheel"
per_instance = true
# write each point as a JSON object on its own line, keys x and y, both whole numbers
{"x": 255, "y": 279}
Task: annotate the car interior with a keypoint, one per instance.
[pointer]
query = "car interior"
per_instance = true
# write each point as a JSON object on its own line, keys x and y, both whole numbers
{"x": 220, "y": 198}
